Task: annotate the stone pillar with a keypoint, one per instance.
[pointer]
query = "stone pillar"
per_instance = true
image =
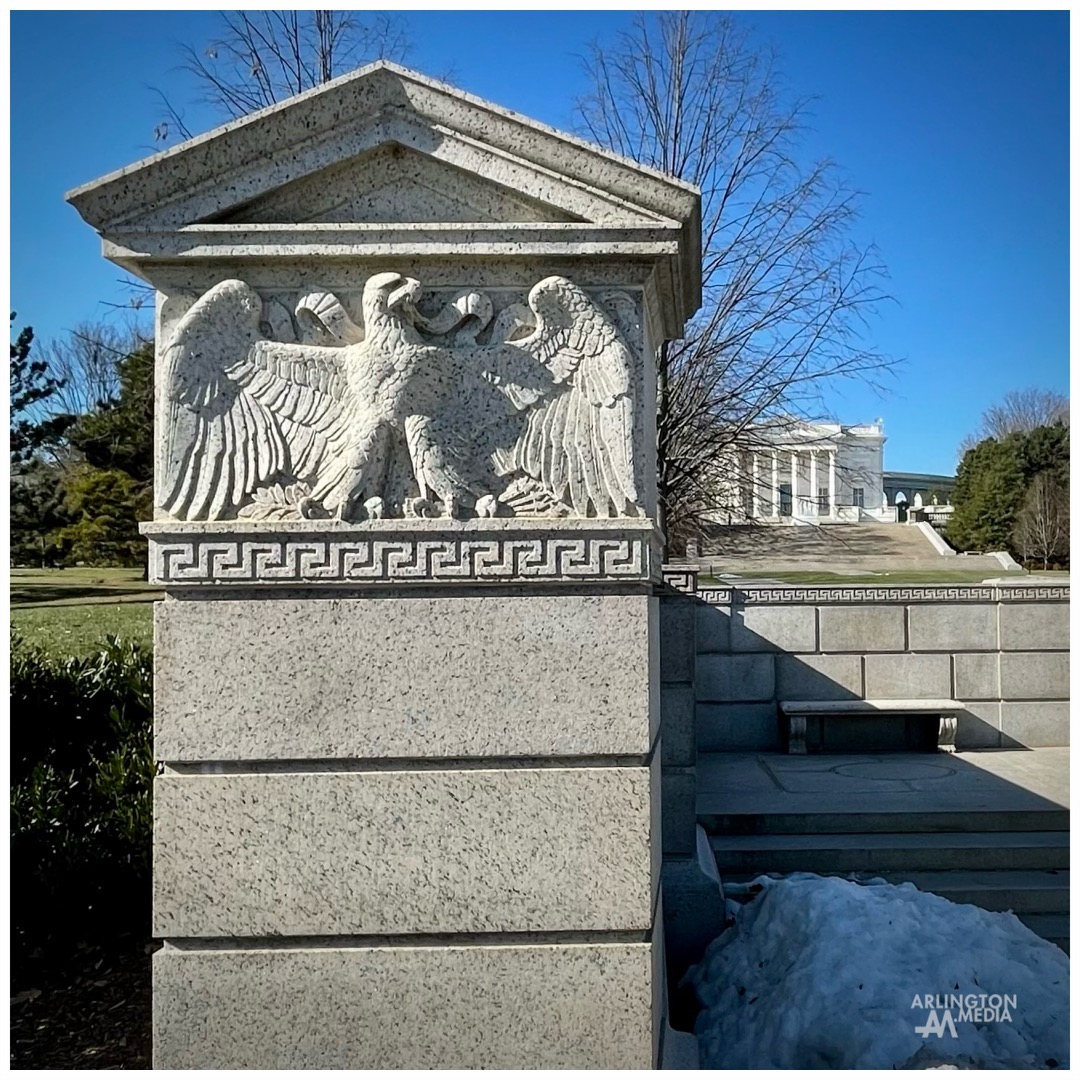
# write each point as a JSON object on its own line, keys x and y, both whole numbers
{"x": 775, "y": 487}
{"x": 815, "y": 509}
{"x": 794, "y": 482}
{"x": 832, "y": 483}
{"x": 407, "y": 665}
{"x": 755, "y": 493}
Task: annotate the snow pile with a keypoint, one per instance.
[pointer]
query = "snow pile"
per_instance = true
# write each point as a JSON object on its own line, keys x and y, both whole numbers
{"x": 823, "y": 973}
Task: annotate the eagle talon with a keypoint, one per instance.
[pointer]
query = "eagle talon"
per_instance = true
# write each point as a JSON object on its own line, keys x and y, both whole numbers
{"x": 310, "y": 509}
{"x": 418, "y": 508}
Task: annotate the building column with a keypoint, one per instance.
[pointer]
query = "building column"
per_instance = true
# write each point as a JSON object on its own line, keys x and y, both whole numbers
{"x": 813, "y": 484}
{"x": 794, "y": 480}
{"x": 775, "y": 488}
{"x": 832, "y": 483}
{"x": 755, "y": 500}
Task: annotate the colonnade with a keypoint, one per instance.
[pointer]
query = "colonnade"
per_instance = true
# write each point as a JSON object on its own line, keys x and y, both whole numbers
{"x": 774, "y": 463}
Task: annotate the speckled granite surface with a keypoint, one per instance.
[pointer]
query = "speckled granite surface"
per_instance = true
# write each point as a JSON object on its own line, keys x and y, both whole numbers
{"x": 469, "y": 851}
{"x": 422, "y": 677}
{"x": 501, "y": 1007}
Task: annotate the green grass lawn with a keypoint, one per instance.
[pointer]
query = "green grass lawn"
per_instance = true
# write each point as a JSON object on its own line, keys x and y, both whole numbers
{"x": 77, "y": 584}
{"x": 70, "y": 612}
{"x": 78, "y": 629}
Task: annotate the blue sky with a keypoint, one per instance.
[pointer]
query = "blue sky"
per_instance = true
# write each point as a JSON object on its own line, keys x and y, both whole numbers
{"x": 954, "y": 124}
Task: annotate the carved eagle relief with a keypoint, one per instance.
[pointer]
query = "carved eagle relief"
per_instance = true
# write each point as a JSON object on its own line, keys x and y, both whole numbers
{"x": 402, "y": 415}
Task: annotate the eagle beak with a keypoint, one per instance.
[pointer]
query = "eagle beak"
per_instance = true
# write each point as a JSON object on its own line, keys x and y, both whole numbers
{"x": 406, "y": 295}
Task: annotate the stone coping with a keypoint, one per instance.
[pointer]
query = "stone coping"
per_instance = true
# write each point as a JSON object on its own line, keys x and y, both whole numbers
{"x": 395, "y": 552}
{"x": 998, "y": 590}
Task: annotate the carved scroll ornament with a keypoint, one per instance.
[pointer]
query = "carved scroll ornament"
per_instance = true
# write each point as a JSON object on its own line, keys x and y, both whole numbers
{"x": 461, "y": 414}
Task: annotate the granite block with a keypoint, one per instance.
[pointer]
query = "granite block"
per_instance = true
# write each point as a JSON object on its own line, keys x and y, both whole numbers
{"x": 693, "y": 917}
{"x": 735, "y": 678}
{"x": 978, "y": 727}
{"x": 503, "y": 1006}
{"x": 679, "y": 809}
{"x": 819, "y": 678}
{"x": 861, "y": 628}
{"x": 713, "y": 628}
{"x": 677, "y": 649}
{"x": 1035, "y": 676}
{"x": 976, "y": 676}
{"x": 1034, "y": 723}
{"x": 909, "y": 675}
{"x": 779, "y": 628}
{"x": 1034, "y": 626}
{"x": 952, "y": 627}
{"x": 405, "y": 677}
{"x": 678, "y": 743}
{"x": 386, "y": 852}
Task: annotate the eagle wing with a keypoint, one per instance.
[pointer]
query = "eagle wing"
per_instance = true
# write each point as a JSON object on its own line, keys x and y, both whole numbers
{"x": 578, "y": 441}
{"x": 242, "y": 411}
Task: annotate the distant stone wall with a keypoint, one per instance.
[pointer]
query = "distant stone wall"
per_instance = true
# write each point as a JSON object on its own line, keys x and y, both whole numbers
{"x": 728, "y": 655}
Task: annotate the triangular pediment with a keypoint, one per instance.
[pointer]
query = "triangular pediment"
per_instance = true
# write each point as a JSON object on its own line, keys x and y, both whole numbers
{"x": 332, "y": 131}
{"x": 392, "y": 183}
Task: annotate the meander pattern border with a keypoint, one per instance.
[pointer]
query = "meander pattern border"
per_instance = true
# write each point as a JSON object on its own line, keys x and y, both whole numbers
{"x": 194, "y": 560}
{"x": 685, "y": 580}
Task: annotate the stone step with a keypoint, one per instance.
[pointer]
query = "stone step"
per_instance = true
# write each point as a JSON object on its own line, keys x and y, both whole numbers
{"x": 1020, "y": 891}
{"x": 1054, "y": 928}
{"x": 894, "y": 821}
{"x": 1043, "y": 892}
{"x": 848, "y": 853}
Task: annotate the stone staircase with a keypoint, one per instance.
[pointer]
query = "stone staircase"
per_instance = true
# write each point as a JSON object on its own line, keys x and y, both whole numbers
{"x": 1007, "y": 850}
{"x": 867, "y": 546}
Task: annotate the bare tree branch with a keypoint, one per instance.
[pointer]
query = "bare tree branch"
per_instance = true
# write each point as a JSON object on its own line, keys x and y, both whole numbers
{"x": 786, "y": 293}
{"x": 86, "y": 360}
{"x": 1020, "y": 411}
{"x": 262, "y": 57}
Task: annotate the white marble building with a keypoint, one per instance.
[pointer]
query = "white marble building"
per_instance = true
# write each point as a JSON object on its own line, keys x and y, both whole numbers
{"x": 803, "y": 472}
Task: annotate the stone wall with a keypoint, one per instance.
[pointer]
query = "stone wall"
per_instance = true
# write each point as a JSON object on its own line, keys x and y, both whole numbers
{"x": 728, "y": 656}
{"x": 1000, "y": 649}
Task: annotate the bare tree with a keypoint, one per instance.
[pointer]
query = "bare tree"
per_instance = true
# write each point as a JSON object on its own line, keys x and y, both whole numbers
{"x": 85, "y": 366}
{"x": 1041, "y": 532}
{"x": 262, "y": 57}
{"x": 86, "y": 360}
{"x": 786, "y": 293}
{"x": 1019, "y": 412}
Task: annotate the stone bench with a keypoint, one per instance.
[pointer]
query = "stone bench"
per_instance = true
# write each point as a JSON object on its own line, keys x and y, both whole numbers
{"x": 795, "y": 714}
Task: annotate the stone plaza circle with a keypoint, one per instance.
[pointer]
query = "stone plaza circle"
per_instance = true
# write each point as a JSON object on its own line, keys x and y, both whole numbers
{"x": 407, "y": 664}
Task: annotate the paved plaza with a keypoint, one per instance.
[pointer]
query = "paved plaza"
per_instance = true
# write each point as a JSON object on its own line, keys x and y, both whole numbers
{"x": 999, "y": 781}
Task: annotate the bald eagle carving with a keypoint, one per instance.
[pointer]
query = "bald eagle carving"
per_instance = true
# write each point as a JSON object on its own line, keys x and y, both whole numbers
{"x": 402, "y": 415}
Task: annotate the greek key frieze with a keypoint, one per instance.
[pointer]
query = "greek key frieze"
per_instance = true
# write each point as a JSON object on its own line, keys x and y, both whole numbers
{"x": 320, "y": 560}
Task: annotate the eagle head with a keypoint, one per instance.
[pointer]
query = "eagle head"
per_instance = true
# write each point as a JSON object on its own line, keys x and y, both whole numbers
{"x": 385, "y": 292}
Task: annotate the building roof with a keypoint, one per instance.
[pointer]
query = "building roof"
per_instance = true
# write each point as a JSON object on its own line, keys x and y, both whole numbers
{"x": 927, "y": 479}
